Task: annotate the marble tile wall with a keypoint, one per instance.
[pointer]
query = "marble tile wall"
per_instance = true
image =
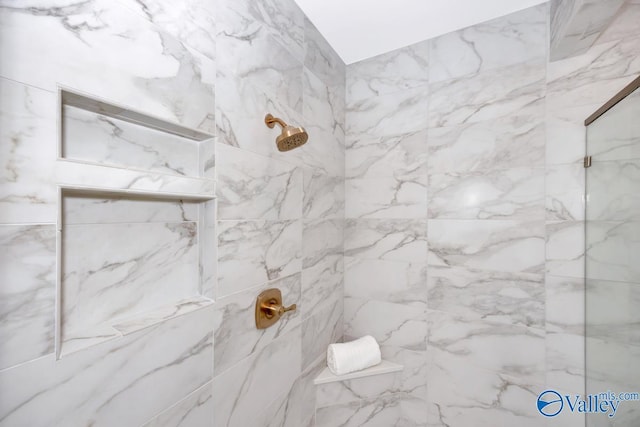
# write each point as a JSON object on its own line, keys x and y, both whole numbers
{"x": 216, "y": 66}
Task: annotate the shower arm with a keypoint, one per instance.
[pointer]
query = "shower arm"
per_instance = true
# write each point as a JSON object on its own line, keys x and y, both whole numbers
{"x": 271, "y": 121}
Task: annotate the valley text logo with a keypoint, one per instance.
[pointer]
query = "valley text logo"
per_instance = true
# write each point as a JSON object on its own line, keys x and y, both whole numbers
{"x": 551, "y": 403}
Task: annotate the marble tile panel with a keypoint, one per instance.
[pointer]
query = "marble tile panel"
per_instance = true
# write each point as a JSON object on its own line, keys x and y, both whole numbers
{"x": 624, "y": 24}
{"x": 611, "y": 251}
{"x": 27, "y": 153}
{"x": 253, "y": 382}
{"x": 389, "y": 239}
{"x": 566, "y": 134}
{"x": 391, "y": 281}
{"x": 403, "y": 157}
{"x": 614, "y": 135}
{"x": 500, "y": 194}
{"x": 398, "y": 70}
{"x": 401, "y": 326}
{"x": 192, "y": 22}
{"x": 594, "y": 76}
{"x": 320, "y": 57}
{"x": 391, "y": 114}
{"x": 324, "y": 104}
{"x": 487, "y": 95}
{"x": 499, "y": 297}
{"x": 324, "y": 151}
{"x": 27, "y": 271}
{"x": 497, "y": 245}
{"x": 386, "y": 197}
{"x": 251, "y": 186}
{"x": 612, "y": 311}
{"x": 254, "y": 252}
{"x": 565, "y": 186}
{"x": 341, "y": 415}
{"x": 612, "y": 190}
{"x": 195, "y": 410}
{"x": 96, "y": 138}
{"x": 321, "y": 283}
{"x": 565, "y": 248}
{"x": 85, "y": 208}
{"x": 321, "y": 239}
{"x": 154, "y": 368}
{"x": 111, "y": 272}
{"x": 323, "y": 195}
{"x": 236, "y": 336}
{"x": 321, "y": 329}
{"x": 513, "y": 141}
{"x": 512, "y": 39}
{"x": 394, "y": 410}
{"x": 153, "y": 71}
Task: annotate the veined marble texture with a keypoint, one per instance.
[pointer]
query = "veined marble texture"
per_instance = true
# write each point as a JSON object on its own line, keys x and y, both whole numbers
{"x": 487, "y": 95}
{"x": 391, "y": 114}
{"x": 79, "y": 208}
{"x": 247, "y": 52}
{"x": 564, "y": 198}
{"x": 111, "y": 272}
{"x": 27, "y": 291}
{"x": 499, "y": 297}
{"x": 587, "y": 20}
{"x": 398, "y": 70}
{"x": 76, "y": 174}
{"x": 564, "y": 248}
{"x": 322, "y": 328}
{"x": 513, "y": 141}
{"x": 282, "y": 19}
{"x": 612, "y": 188}
{"x": 625, "y": 24}
{"x": 154, "y": 368}
{"x": 95, "y": 138}
{"x": 324, "y": 104}
{"x": 192, "y": 21}
{"x": 390, "y": 239}
{"x": 324, "y": 151}
{"x": 321, "y": 239}
{"x": 614, "y": 135}
{"x": 512, "y": 39}
{"x": 323, "y": 195}
{"x": 612, "y": 249}
{"x": 320, "y": 57}
{"x": 152, "y": 72}
{"x": 253, "y": 252}
{"x": 497, "y": 245}
{"x": 401, "y": 325}
{"x": 391, "y": 281}
{"x": 236, "y": 336}
{"x": 593, "y": 77}
{"x": 401, "y": 156}
{"x": 256, "y": 380}
{"x": 251, "y": 186}
{"x": 194, "y": 410}
{"x": 565, "y": 304}
{"x": 566, "y": 134}
{"x": 320, "y": 283}
{"x": 506, "y": 362}
{"x": 27, "y": 153}
{"x": 501, "y": 194}
{"x": 386, "y": 197}
{"x": 394, "y": 410}
{"x": 612, "y": 312}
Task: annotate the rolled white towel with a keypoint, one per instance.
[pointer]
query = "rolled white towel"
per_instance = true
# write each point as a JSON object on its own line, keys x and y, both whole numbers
{"x": 356, "y": 355}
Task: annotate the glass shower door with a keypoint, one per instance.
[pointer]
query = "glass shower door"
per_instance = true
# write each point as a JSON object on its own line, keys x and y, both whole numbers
{"x": 613, "y": 257}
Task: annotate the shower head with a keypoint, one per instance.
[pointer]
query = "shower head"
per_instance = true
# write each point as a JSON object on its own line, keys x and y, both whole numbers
{"x": 291, "y": 137}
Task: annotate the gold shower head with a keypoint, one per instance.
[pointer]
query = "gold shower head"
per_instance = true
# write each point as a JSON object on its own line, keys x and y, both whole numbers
{"x": 291, "y": 137}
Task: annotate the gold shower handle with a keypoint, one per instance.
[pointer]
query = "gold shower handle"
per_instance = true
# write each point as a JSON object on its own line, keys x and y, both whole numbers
{"x": 269, "y": 308}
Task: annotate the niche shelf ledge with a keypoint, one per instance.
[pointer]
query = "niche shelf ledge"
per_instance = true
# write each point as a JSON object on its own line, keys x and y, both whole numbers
{"x": 384, "y": 367}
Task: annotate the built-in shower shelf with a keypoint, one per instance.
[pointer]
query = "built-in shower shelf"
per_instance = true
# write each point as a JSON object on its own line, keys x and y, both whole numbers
{"x": 138, "y": 322}
{"x": 384, "y": 367}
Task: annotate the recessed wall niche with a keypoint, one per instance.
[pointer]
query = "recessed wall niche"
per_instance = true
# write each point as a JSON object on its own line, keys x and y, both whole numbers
{"x": 136, "y": 225}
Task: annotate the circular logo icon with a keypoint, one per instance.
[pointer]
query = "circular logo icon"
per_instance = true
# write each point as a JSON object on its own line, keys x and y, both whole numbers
{"x": 550, "y": 403}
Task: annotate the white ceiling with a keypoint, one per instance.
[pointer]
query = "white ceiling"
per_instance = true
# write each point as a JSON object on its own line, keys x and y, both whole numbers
{"x": 360, "y": 29}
